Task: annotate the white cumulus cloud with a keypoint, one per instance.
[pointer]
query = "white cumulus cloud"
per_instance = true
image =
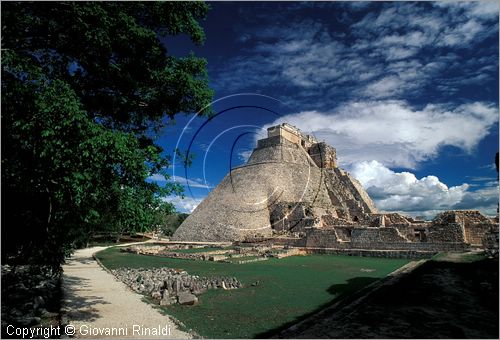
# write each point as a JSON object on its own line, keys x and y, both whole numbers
{"x": 245, "y": 155}
{"x": 404, "y": 192}
{"x": 193, "y": 182}
{"x": 394, "y": 133}
{"x": 398, "y": 50}
{"x": 185, "y": 205}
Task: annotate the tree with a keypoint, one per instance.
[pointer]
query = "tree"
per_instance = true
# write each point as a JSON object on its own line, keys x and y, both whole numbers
{"x": 86, "y": 87}
{"x": 169, "y": 222}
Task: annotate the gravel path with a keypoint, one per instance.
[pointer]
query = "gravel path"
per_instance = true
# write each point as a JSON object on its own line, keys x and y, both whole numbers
{"x": 95, "y": 303}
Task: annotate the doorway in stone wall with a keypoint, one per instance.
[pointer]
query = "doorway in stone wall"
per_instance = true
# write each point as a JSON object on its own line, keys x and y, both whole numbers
{"x": 420, "y": 235}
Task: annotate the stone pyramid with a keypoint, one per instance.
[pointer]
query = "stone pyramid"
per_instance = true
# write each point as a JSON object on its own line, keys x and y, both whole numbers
{"x": 290, "y": 182}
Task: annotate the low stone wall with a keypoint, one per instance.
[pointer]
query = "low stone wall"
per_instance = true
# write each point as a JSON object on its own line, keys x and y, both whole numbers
{"x": 376, "y": 235}
{"x": 344, "y": 233}
{"x": 475, "y": 233}
{"x": 490, "y": 243}
{"x": 169, "y": 286}
{"x": 406, "y": 254}
{"x": 287, "y": 253}
{"x": 416, "y": 246}
{"x": 326, "y": 238}
{"x": 258, "y": 259}
{"x": 445, "y": 232}
{"x": 283, "y": 241}
{"x": 262, "y": 251}
{"x": 164, "y": 251}
{"x": 321, "y": 238}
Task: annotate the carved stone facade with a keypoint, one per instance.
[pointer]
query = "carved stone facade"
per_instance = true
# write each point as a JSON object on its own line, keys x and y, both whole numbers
{"x": 323, "y": 155}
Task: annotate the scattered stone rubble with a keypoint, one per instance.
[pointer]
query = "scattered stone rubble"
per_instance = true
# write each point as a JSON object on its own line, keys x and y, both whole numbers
{"x": 29, "y": 294}
{"x": 164, "y": 251}
{"x": 170, "y": 286}
{"x": 490, "y": 243}
{"x": 257, "y": 253}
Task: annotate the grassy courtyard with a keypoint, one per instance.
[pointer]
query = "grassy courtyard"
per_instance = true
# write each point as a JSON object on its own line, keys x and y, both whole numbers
{"x": 286, "y": 289}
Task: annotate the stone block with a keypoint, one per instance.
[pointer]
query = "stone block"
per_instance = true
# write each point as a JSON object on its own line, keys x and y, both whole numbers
{"x": 186, "y": 298}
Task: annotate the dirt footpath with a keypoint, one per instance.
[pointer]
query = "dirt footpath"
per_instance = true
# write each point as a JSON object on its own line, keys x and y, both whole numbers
{"x": 99, "y": 306}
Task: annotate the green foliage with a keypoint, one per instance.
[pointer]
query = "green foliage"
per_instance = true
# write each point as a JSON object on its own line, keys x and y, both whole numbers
{"x": 170, "y": 222}
{"x": 288, "y": 289}
{"x": 85, "y": 88}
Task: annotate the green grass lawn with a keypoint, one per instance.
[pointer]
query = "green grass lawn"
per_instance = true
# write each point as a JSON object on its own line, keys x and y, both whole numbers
{"x": 243, "y": 258}
{"x": 289, "y": 289}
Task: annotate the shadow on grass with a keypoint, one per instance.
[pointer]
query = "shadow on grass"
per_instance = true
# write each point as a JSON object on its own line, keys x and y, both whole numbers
{"x": 78, "y": 307}
{"x": 289, "y": 290}
{"x": 440, "y": 299}
{"x": 344, "y": 294}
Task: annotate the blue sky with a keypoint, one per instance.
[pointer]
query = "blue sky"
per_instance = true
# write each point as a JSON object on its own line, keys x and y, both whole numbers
{"x": 406, "y": 91}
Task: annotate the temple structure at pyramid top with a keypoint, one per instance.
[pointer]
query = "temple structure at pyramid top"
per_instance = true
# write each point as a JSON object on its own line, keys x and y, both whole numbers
{"x": 290, "y": 182}
{"x": 323, "y": 155}
{"x": 291, "y": 188}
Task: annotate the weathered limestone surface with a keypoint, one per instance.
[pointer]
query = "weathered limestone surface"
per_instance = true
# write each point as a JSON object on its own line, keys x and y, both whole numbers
{"x": 391, "y": 253}
{"x": 374, "y": 235}
{"x": 446, "y": 232}
{"x": 280, "y": 190}
{"x": 327, "y": 238}
{"x": 475, "y": 225}
{"x": 277, "y": 149}
{"x": 169, "y": 286}
{"x": 323, "y": 155}
{"x": 240, "y": 205}
{"x": 348, "y": 196}
{"x": 468, "y": 226}
{"x": 292, "y": 192}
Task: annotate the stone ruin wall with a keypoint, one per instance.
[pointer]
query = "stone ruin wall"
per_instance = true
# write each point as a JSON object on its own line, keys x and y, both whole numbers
{"x": 376, "y": 235}
{"x": 332, "y": 211}
{"x": 385, "y": 253}
{"x": 475, "y": 226}
{"x": 343, "y": 233}
{"x": 293, "y": 134}
{"x": 280, "y": 150}
{"x": 286, "y": 131}
{"x": 449, "y": 231}
{"x": 351, "y": 202}
{"x": 323, "y": 155}
{"x": 468, "y": 226}
{"x": 475, "y": 234}
{"x": 291, "y": 217}
{"x": 327, "y": 238}
{"x": 414, "y": 231}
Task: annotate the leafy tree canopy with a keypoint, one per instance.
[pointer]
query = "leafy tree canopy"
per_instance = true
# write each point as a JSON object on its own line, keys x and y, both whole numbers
{"x": 86, "y": 86}
{"x": 169, "y": 222}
